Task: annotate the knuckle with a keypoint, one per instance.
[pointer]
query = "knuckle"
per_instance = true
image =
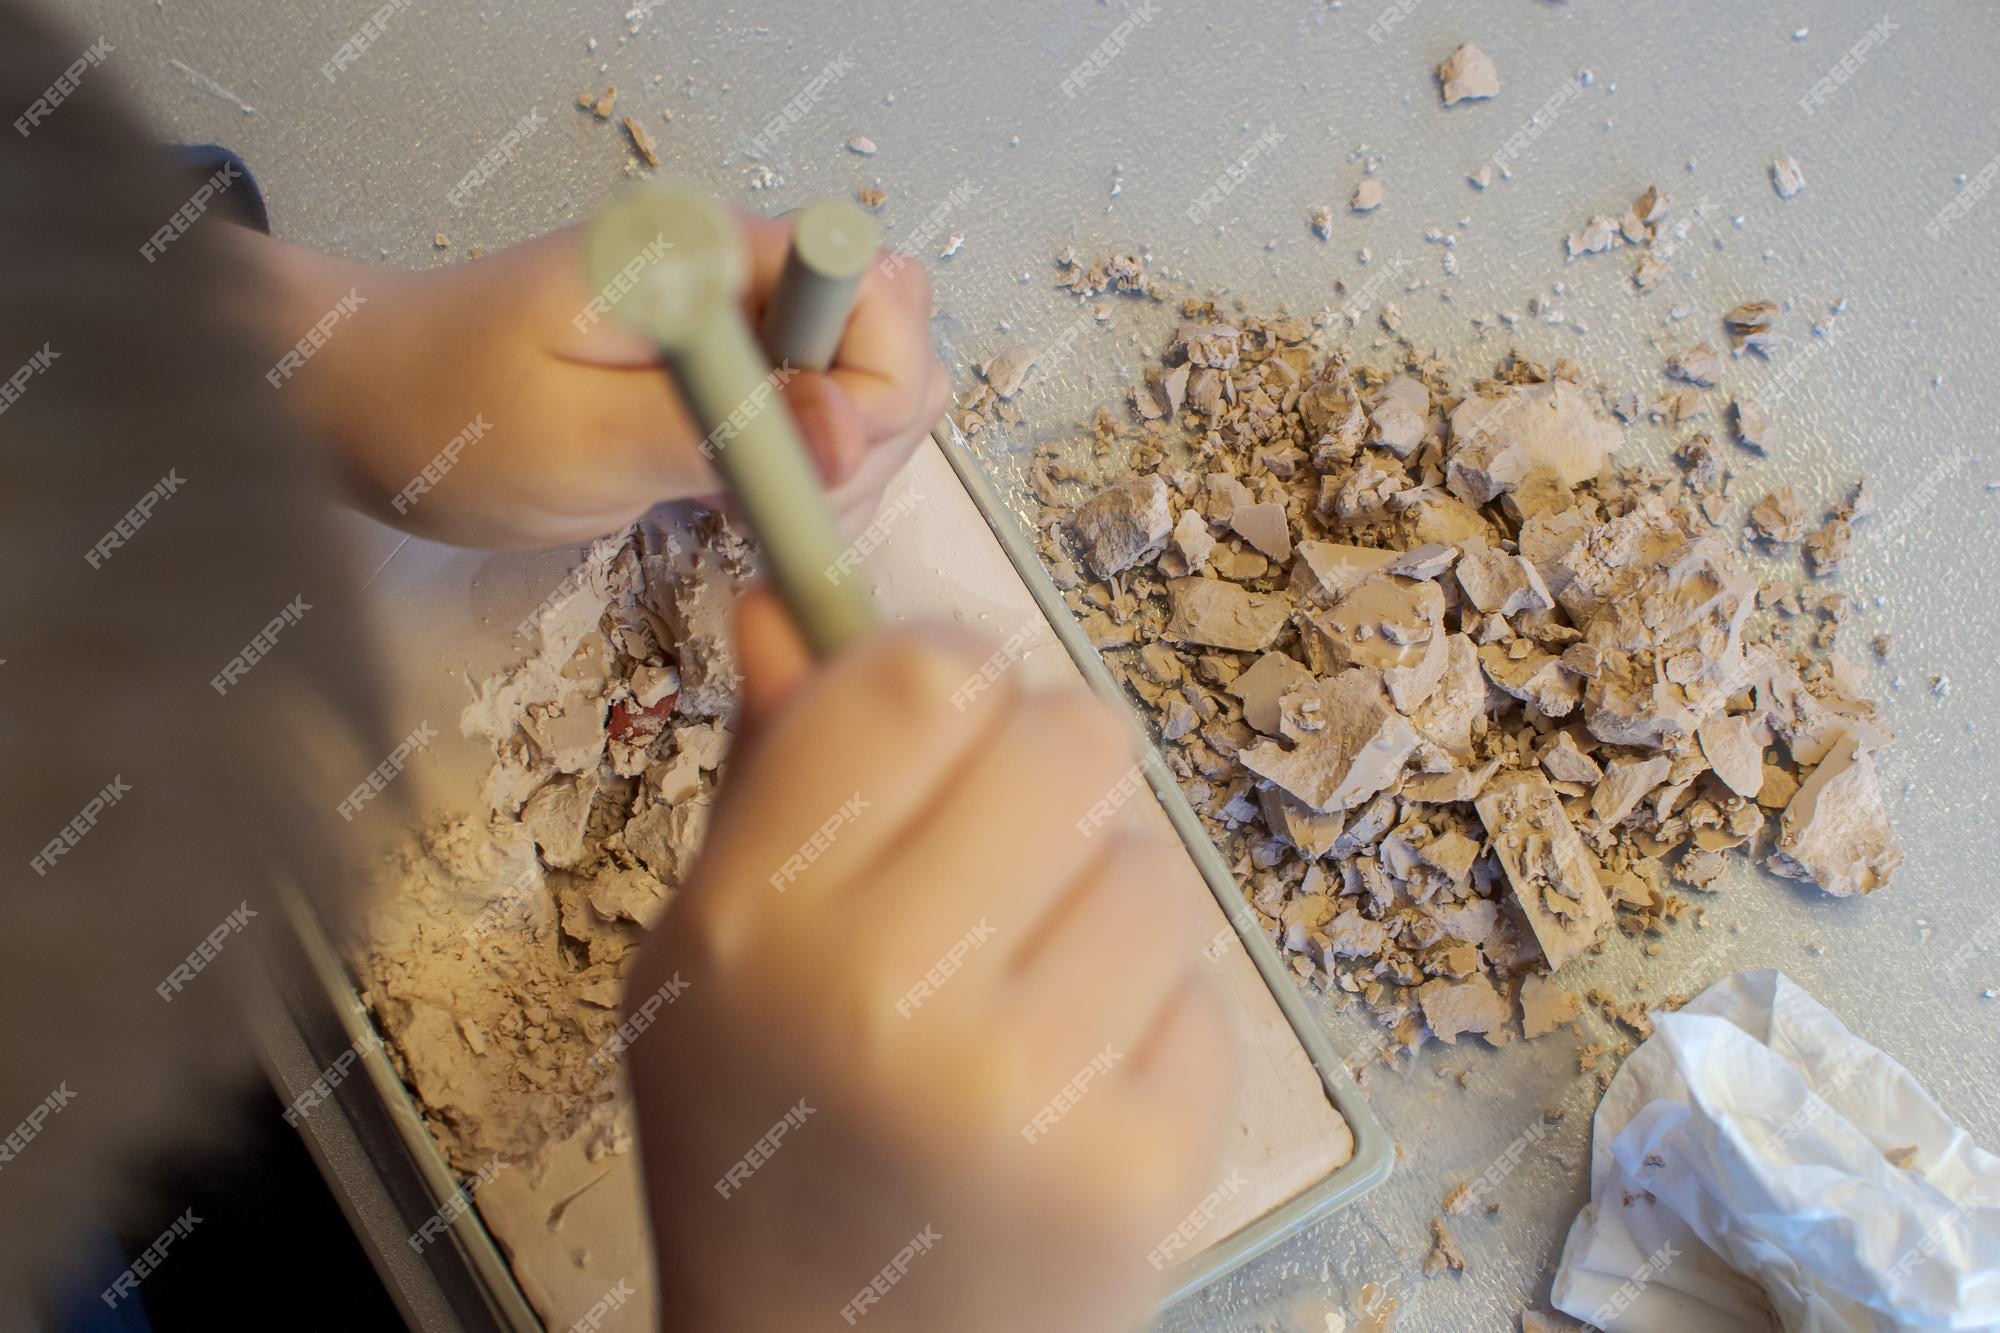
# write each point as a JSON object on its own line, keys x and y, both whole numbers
{"x": 919, "y": 674}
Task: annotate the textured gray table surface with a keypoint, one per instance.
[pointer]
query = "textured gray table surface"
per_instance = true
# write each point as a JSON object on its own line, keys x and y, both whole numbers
{"x": 1697, "y": 97}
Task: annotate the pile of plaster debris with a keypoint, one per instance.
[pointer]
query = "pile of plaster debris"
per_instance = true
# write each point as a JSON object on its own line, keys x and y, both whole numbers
{"x": 498, "y": 945}
{"x": 1455, "y": 694}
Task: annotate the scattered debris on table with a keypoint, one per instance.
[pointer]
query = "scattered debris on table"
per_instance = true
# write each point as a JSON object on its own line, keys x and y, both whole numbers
{"x": 644, "y": 143}
{"x": 1786, "y": 178}
{"x": 1468, "y": 73}
{"x": 1454, "y": 691}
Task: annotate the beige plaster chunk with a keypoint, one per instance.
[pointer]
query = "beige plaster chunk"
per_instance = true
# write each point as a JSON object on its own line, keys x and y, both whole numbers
{"x": 665, "y": 838}
{"x": 1224, "y": 615}
{"x": 1367, "y": 196}
{"x": 1008, "y": 371}
{"x": 1536, "y": 678}
{"x": 1424, "y": 562}
{"x": 1546, "y": 1006}
{"x": 1401, "y": 415}
{"x": 1563, "y": 762}
{"x": 623, "y": 894}
{"x": 1826, "y": 549}
{"x": 1752, "y": 424}
{"x": 1456, "y": 710}
{"x": 1450, "y": 852}
{"x": 1502, "y": 583}
{"x": 1124, "y": 523}
{"x": 1786, "y": 178}
{"x": 1780, "y": 516}
{"x": 1392, "y": 624}
{"x": 1192, "y": 540}
{"x": 1238, "y": 565}
{"x": 650, "y": 684}
{"x": 1550, "y": 873}
{"x": 556, "y": 816}
{"x": 571, "y": 736}
{"x": 1625, "y": 784}
{"x": 675, "y": 780}
{"x": 1733, "y": 749}
{"x": 1313, "y": 833}
{"x": 1264, "y": 527}
{"x": 1545, "y": 539}
{"x": 1357, "y": 744}
{"x": 706, "y": 741}
{"x": 1554, "y": 424}
{"x": 1835, "y": 831}
{"x": 1272, "y": 676}
{"x": 1454, "y": 1008}
{"x": 1352, "y": 935}
{"x": 1472, "y": 920}
{"x": 1468, "y": 73}
{"x": 1699, "y": 365}
{"x": 1324, "y": 572}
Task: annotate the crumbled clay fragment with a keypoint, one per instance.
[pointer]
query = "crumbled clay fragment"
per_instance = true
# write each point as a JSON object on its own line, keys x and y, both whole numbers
{"x": 1551, "y": 875}
{"x": 601, "y": 108}
{"x": 862, "y": 145}
{"x": 643, "y": 142}
{"x": 1750, "y": 327}
{"x": 1827, "y": 548}
{"x": 1224, "y": 615}
{"x": 1468, "y": 73}
{"x": 1780, "y": 516}
{"x": 1444, "y": 1251}
{"x": 1191, "y": 538}
{"x": 1264, "y": 527}
{"x": 1598, "y": 235}
{"x": 1835, "y": 831}
{"x": 872, "y": 197}
{"x": 1648, "y": 272}
{"x": 1007, "y": 371}
{"x": 1731, "y": 746}
{"x": 1269, "y": 678}
{"x": 1546, "y": 1006}
{"x": 1367, "y": 196}
{"x": 1786, "y": 178}
{"x": 1393, "y": 625}
{"x": 1698, "y": 365}
{"x": 1453, "y": 1009}
{"x": 1357, "y": 748}
{"x": 1124, "y": 523}
{"x": 1752, "y": 424}
{"x": 1624, "y": 785}
{"x": 556, "y": 816}
{"x": 1327, "y": 571}
{"x": 1321, "y": 221}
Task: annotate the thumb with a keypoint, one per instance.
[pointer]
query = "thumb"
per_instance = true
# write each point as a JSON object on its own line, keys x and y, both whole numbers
{"x": 773, "y": 656}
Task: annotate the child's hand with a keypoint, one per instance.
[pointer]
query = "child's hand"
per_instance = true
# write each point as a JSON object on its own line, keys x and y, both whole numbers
{"x": 582, "y": 432}
{"x": 827, "y": 1101}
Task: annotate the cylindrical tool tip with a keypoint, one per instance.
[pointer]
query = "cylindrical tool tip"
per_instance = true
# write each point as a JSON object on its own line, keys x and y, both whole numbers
{"x": 834, "y": 238}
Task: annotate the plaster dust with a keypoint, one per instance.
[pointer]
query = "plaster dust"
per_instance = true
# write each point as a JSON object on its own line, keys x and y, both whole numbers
{"x": 496, "y": 953}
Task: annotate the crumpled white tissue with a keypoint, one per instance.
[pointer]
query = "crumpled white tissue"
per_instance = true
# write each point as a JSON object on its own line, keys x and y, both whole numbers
{"x": 1758, "y": 1125}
